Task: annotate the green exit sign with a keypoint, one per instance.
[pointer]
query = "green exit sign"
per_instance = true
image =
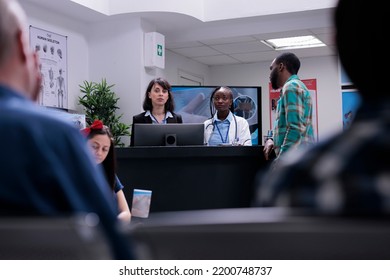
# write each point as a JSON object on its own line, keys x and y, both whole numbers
{"x": 159, "y": 50}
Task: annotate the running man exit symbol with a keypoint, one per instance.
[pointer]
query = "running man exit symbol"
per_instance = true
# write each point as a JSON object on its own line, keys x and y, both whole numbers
{"x": 159, "y": 50}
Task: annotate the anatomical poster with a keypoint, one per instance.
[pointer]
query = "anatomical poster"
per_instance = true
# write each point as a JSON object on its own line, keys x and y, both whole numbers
{"x": 52, "y": 51}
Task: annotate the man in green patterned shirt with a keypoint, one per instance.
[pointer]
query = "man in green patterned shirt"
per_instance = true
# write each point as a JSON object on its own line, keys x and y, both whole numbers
{"x": 293, "y": 124}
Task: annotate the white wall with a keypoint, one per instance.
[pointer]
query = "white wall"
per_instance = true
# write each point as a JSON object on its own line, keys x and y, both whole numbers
{"x": 114, "y": 50}
{"x": 115, "y": 54}
{"x": 324, "y": 69}
{"x": 77, "y": 46}
{"x": 175, "y": 63}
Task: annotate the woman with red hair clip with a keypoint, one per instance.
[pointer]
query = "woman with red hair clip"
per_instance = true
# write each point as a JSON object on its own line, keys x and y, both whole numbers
{"x": 100, "y": 140}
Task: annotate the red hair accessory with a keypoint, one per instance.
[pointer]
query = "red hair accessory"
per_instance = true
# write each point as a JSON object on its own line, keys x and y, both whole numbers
{"x": 97, "y": 124}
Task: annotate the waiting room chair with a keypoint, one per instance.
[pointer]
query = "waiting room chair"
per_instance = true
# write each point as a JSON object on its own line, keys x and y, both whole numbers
{"x": 259, "y": 234}
{"x": 52, "y": 238}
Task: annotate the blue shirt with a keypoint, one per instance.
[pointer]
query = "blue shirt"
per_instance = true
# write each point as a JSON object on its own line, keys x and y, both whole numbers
{"x": 47, "y": 169}
{"x": 220, "y": 134}
{"x": 118, "y": 185}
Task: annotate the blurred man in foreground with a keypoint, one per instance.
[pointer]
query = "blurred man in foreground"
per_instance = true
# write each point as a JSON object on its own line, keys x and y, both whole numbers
{"x": 350, "y": 172}
{"x": 45, "y": 166}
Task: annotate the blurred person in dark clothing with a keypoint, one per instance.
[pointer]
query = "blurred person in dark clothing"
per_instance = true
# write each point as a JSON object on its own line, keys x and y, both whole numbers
{"x": 46, "y": 167}
{"x": 347, "y": 173}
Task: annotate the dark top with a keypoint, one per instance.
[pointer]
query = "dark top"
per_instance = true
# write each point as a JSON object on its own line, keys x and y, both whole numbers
{"x": 47, "y": 169}
{"x": 141, "y": 118}
{"x": 347, "y": 173}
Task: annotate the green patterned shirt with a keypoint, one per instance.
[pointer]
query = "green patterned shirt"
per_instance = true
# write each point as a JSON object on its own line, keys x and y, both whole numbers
{"x": 293, "y": 124}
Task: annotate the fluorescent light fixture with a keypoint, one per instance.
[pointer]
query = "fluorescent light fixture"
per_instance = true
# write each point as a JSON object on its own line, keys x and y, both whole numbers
{"x": 294, "y": 43}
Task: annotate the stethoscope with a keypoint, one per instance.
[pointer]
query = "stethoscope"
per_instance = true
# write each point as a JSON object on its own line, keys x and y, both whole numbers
{"x": 213, "y": 111}
{"x": 235, "y": 141}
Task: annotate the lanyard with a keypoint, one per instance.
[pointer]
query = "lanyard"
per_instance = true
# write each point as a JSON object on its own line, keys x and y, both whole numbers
{"x": 227, "y": 133}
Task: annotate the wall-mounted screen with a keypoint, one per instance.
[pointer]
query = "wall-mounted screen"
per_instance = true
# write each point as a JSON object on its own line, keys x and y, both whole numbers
{"x": 193, "y": 103}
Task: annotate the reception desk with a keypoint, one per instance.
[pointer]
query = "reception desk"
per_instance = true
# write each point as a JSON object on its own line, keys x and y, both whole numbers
{"x": 191, "y": 178}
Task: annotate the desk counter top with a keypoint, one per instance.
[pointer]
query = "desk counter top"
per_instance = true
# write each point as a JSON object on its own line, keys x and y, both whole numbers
{"x": 189, "y": 151}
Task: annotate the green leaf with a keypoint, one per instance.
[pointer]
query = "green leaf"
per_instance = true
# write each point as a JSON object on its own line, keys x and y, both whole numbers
{"x": 100, "y": 102}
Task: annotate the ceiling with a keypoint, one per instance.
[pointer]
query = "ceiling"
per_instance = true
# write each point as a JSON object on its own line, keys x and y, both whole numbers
{"x": 219, "y": 42}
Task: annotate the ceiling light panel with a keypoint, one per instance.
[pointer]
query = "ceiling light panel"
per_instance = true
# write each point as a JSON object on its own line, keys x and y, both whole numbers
{"x": 294, "y": 42}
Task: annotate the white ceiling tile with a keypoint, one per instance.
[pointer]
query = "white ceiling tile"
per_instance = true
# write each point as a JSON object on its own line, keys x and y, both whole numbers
{"x": 275, "y": 35}
{"x": 256, "y": 56}
{"x": 311, "y": 52}
{"x": 216, "y": 60}
{"x": 196, "y": 51}
{"x": 324, "y": 30}
{"x": 241, "y": 47}
{"x": 176, "y": 45}
{"x": 229, "y": 40}
{"x": 327, "y": 38}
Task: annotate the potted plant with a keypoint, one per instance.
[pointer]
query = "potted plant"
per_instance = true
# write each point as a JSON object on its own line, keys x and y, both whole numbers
{"x": 100, "y": 102}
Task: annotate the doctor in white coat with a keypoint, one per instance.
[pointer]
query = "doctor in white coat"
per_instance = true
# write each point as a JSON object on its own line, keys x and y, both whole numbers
{"x": 225, "y": 128}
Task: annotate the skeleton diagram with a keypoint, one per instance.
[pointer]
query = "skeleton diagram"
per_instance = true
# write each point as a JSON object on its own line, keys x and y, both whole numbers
{"x": 60, "y": 86}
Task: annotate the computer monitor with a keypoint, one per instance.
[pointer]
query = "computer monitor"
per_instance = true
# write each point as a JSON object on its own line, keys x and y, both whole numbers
{"x": 193, "y": 104}
{"x": 171, "y": 134}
